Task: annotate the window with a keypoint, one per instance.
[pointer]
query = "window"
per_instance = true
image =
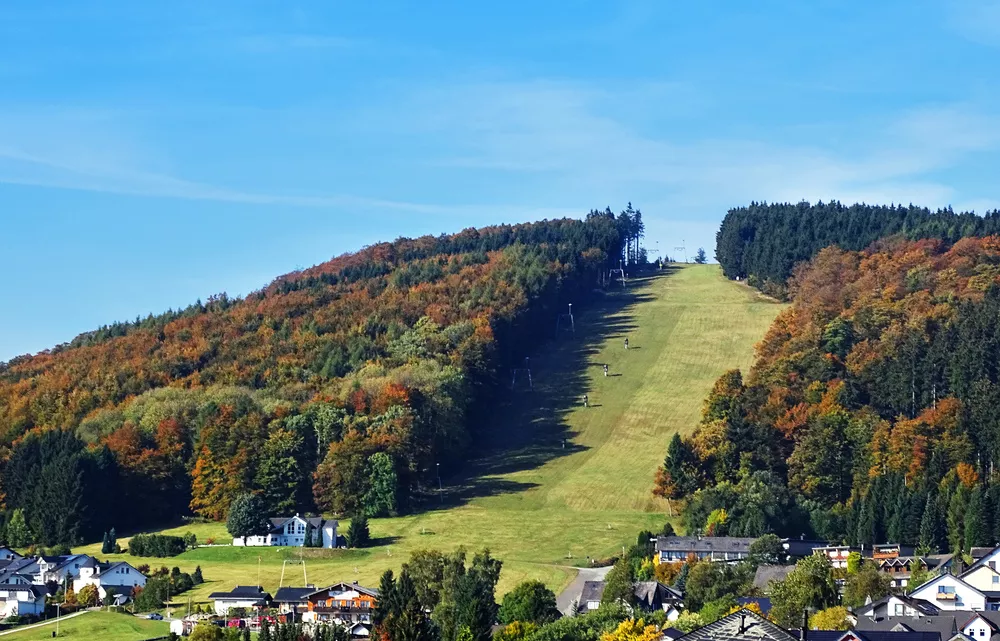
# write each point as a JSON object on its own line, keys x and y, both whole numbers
{"x": 946, "y": 589}
{"x": 899, "y": 609}
{"x": 996, "y": 579}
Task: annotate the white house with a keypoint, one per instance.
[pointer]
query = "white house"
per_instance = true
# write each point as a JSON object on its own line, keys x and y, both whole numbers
{"x": 291, "y": 532}
{"x": 244, "y": 597}
{"x": 58, "y": 569}
{"x": 949, "y": 592}
{"x": 898, "y": 606}
{"x": 979, "y": 627}
{"x": 120, "y": 577}
{"x": 21, "y": 599}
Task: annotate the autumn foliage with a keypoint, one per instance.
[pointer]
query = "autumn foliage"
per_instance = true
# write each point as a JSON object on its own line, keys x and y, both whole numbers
{"x": 290, "y": 391}
{"x": 872, "y": 411}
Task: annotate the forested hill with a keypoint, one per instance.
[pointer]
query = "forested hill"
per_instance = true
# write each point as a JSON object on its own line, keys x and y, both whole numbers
{"x": 872, "y": 412}
{"x": 763, "y": 242}
{"x": 332, "y": 388}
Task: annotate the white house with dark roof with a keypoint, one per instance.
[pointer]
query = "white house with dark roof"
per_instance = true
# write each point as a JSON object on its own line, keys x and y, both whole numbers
{"x": 119, "y": 577}
{"x": 948, "y": 592}
{"x": 291, "y": 532}
{"x": 21, "y": 599}
{"x": 242, "y": 597}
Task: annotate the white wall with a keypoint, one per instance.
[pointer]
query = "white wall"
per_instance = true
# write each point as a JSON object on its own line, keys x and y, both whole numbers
{"x": 967, "y": 597}
{"x": 223, "y": 606}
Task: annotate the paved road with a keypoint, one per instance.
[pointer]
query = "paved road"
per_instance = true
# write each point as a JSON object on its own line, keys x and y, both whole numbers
{"x": 572, "y": 593}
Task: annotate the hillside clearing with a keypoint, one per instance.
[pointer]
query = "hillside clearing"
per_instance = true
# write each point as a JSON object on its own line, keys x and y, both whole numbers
{"x": 553, "y": 483}
{"x": 107, "y": 626}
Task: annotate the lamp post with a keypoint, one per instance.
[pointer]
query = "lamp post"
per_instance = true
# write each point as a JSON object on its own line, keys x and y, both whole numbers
{"x": 440, "y": 486}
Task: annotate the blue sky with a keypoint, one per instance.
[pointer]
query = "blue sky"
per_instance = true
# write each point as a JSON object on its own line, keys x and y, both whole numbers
{"x": 151, "y": 155}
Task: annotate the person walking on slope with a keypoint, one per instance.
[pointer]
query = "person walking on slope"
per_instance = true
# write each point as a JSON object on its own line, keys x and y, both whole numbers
{"x": 586, "y": 402}
{"x": 626, "y": 343}
{"x": 605, "y": 369}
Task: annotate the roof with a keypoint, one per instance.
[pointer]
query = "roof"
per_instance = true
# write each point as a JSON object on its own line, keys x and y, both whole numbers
{"x": 592, "y": 591}
{"x": 35, "y": 590}
{"x": 293, "y": 595}
{"x": 871, "y": 635}
{"x": 743, "y": 625}
{"x": 703, "y": 544}
{"x": 802, "y": 546}
{"x": 278, "y": 522}
{"x": 242, "y": 593}
{"x": 979, "y": 552}
{"x": 767, "y": 573}
{"x": 672, "y": 633}
{"x": 922, "y": 605}
{"x": 945, "y": 625}
{"x": 372, "y": 592}
{"x": 653, "y": 593}
{"x": 945, "y": 576}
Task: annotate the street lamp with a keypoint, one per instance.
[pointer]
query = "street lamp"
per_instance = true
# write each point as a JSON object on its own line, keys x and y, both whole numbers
{"x": 440, "y": 486}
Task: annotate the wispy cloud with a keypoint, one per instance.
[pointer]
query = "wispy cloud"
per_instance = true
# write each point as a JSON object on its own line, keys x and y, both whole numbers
{"x": 977, "y": 20}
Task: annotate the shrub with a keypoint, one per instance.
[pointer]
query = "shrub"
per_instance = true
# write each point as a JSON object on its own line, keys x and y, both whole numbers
{"x": 157, "y": 545}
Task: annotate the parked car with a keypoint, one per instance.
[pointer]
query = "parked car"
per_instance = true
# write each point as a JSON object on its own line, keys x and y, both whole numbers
{"x": 155, "y": 617}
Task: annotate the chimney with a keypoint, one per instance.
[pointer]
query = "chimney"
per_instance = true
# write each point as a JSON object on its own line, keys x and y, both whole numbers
{"x": 743, "y": 624}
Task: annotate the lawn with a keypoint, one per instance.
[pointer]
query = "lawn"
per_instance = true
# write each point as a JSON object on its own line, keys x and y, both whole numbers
{"x": 107, "y": 626}
{"x": 553, "y": 483}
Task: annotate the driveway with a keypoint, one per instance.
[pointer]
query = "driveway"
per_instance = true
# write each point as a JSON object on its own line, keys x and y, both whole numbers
{"x": 572, "y": 593}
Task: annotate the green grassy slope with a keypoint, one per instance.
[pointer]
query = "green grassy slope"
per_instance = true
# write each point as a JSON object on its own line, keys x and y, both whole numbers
{"x": 107, "y": 626}
{"x": 540, "y": 506}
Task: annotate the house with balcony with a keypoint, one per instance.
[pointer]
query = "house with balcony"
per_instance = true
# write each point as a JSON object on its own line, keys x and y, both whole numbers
{"x": 836, "y": 553}
{"x": 899, "y": 568}
{"x": 347, "y": 604}
{"x": 948, "y": 592}
{"x": 727, "y": 549}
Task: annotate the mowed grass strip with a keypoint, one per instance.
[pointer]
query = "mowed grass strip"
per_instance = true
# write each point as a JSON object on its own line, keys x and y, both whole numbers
{"x": 106, "y": 626}
{"x": 541, "y": 507}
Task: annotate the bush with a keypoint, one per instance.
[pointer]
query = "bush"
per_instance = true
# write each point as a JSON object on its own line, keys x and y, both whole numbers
{"x": 87, "y": 596}
{"x": 158, "y": 545}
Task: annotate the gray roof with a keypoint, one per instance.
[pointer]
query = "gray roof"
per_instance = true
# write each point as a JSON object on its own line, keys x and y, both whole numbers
{"x": 945, "y": 624}
{"x": 293, "y": 595}
{"x": 278, "y": 522}
{"x": 743, "y": 625}
{"x": 767, "y": 573}
{"x": 243, "y": 593}
{"x": 592, "y": 591}
{"x": 347, "y": 586}
{"x": 652, "y": 594}
{"x": 35, "y": 590}
{"x": 703, "y": 544}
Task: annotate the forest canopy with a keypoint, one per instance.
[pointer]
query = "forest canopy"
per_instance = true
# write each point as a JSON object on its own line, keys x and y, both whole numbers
{"x": 763, "y": 242}
{"x": 333, "y": 388}
{"x": 872, "y": 411}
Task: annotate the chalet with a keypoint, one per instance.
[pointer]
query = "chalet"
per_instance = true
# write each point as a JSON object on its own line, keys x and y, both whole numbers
{"x": 20, "y": 599}
{"x": 899, "y": 568}
{"x": 242, "y": 597}
{"x": 291, "y": 532}
{"x": 346, "y": 604}
{"x": 119, "y": 578}
{"x": 711, "y": 548}
{"x": 882, "y": 551}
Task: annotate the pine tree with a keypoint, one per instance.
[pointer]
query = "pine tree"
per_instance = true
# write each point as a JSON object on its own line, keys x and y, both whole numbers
{"x": 956, "y": 519}
{"x": 196, "y": 576}
{"x": 931, "y": 531}
{"x": 358, "y": 535}
{"x": 106, "y": 544}
{"x": 113, "y": 540}
{"x": 976, "y": 530}
{"x": 265, "y": 631}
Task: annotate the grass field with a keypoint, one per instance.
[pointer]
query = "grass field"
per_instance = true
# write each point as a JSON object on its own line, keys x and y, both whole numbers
{"x": 107, "y": 626}
{"x": 553, "y": 482}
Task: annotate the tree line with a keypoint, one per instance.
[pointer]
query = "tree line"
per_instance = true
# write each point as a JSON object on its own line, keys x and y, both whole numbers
{"x": 762, "y": 242}
{"x": 333, "y": 389}
{"x": 871, "y": 413}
